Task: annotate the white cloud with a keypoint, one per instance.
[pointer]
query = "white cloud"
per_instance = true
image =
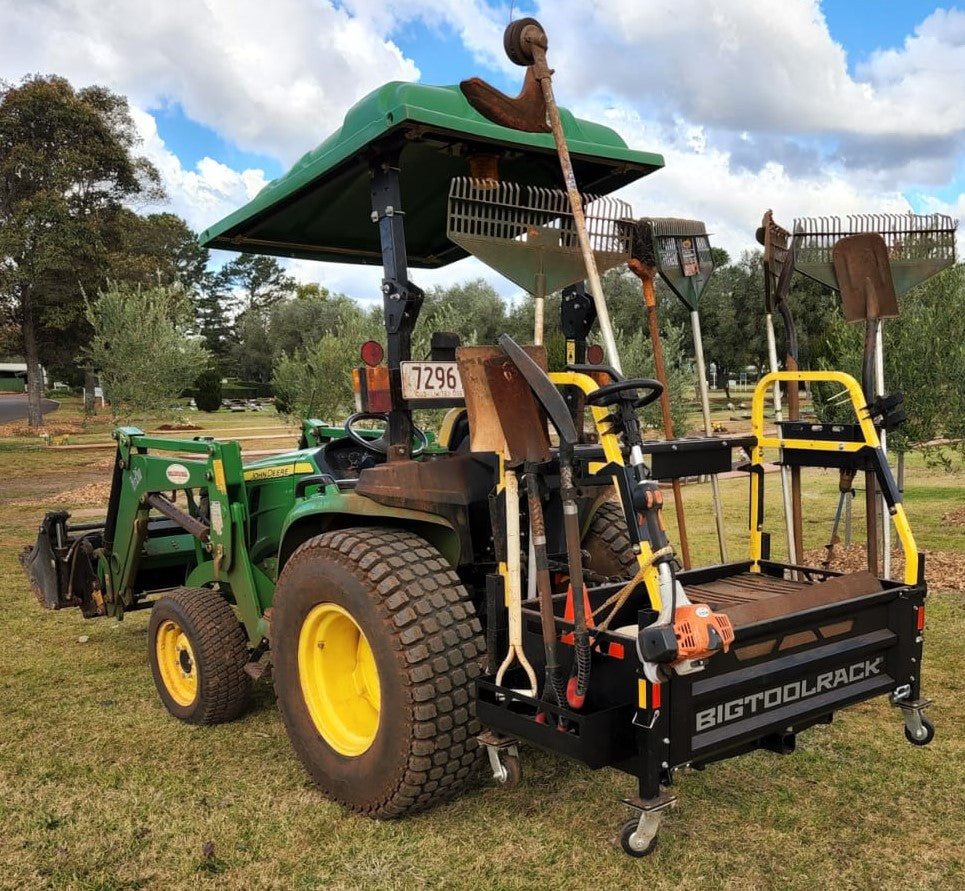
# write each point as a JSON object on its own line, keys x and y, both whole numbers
{"x": 271, "y": 79}
{"x": 752, "y": 103}
{"x": 478, "y": 25}
{"x": 699, "y": 181}
{"x": 758, "y": 66}
{"x": 363, "y": 282}
{"x": 203, "y": 195}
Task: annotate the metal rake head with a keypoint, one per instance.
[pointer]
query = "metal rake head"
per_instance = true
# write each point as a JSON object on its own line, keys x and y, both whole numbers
{"x": 527, "y": 233}
{"x": 919, "y": 245}
{"x": 774, "y": 238}
{"x": 680, "y": 249}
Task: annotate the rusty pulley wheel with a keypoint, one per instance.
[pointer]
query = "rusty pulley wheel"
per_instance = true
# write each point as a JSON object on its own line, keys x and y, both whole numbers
{"x": 520, "y": 50}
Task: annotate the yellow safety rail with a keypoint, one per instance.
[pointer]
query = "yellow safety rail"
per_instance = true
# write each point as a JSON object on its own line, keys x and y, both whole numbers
{"x": 871, "y": 440}
{"x": 611, "y": 450}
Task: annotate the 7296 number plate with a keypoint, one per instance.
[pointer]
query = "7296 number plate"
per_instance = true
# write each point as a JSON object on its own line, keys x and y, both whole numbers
{"x": 431, "y": 380}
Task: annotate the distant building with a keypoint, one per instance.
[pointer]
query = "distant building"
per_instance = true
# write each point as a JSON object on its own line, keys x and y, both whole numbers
{"x": 13, "y": 377}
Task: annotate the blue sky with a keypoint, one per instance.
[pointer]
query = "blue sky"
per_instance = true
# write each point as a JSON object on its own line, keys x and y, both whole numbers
{"x": 863, "y": 26}
{"x": 809, "y": 107}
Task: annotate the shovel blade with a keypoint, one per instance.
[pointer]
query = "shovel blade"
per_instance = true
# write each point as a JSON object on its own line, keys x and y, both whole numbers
{"x": 520, "y": 415}
{"x": 863, "y": 271}
{"x": 43, "y": 571}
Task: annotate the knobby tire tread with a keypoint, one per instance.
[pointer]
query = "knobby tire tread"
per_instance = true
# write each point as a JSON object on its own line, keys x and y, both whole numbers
{"x": 431, "y": 623}
{"x": 608, "y": 541}
{"x": 221, "y": 652}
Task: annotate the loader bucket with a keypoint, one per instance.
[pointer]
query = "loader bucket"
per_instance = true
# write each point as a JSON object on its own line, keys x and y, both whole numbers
{"x": 60, "y": 565}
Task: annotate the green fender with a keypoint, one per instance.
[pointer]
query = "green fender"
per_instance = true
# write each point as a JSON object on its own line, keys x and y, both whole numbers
{"x": 332, "y": 509}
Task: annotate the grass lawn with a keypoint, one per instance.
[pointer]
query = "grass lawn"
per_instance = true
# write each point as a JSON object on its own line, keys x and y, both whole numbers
{"x": 101, "y": 788}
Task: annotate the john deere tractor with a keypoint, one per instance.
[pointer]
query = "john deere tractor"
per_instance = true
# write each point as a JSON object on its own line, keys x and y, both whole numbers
{"x": 508, "y": 579}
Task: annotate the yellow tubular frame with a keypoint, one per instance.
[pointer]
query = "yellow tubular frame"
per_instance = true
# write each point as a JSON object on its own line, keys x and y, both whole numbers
{"x": 870, "y": 439}
{"x": 611, "y": 450}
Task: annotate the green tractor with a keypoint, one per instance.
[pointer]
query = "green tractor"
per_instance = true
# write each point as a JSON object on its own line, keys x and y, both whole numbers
{"x": 412, "y": 604}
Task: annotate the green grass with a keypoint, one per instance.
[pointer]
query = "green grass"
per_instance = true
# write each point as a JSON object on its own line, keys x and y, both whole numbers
{"x": 101, "y": 788}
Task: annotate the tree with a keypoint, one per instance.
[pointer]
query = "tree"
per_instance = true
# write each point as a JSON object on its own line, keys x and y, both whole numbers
{"x": 298, "y": 324}
{"x": 473, "y": 310}
{"x": 250, "y": 352}
{"x": 211, "y": 320}
{"x": 256, "y": 281}
{"x": 207, "y": 390}
{"x": 317, "y": 380}
{"x": 66, "y": 168}
{"x": 732, "y": 316}
{"x": 140, "y": 346}
{"x": 159, "y": 249}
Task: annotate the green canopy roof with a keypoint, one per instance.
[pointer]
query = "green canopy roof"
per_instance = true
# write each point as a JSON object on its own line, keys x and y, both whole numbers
{"x": 321, "y": 209}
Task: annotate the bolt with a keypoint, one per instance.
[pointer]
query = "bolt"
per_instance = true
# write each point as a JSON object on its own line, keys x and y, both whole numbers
{"x": 666, "y": 740}
{"x": 664, "y": 765}
{"x": 321, "y": 644}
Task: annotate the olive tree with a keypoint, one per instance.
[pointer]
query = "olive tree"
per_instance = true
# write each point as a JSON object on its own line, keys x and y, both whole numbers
{"x": 140, "y": 347}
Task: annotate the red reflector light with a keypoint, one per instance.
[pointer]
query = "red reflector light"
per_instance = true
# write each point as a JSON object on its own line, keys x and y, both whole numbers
{"x": 655, "y": 696}
{"x": 594, "y": 354}
{"x": 921, "y": 618}
{"x": 372, "y": 353}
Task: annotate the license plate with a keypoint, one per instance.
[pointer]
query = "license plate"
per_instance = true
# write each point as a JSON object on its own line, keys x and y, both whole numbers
{"x": 431, "y": 380}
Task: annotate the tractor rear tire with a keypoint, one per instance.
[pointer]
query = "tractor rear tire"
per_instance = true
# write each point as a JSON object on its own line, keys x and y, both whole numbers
{"x": 607, "y": 542}
{"x": 375, "y": 648}
{"x": 198, "y": 651}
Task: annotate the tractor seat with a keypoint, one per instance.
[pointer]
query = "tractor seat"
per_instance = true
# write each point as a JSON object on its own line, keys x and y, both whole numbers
{"x": 454, "y": 430}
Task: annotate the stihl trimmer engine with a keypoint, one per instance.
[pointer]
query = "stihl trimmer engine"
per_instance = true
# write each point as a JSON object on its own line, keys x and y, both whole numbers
{"x": 696, "y": 633}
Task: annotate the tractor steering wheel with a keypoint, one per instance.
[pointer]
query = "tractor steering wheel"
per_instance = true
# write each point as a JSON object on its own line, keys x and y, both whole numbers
{"x": 609, "y": 394}
{"x": 380, "y": 446}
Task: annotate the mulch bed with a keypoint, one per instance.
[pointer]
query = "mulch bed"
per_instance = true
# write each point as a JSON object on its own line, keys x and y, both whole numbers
{"x": 91, "y": 495}
{"x": 955, "y": 517}
{"x": 21, "y": 429}
{"x": 944, "y": 571}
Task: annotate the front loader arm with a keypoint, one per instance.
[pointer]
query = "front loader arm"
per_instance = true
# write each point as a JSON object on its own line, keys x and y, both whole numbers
{"x": 147, "y": 468}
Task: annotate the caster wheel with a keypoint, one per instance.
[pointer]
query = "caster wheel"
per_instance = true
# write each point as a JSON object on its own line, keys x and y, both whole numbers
{"x": 924, "y": 740}
{"x": 514, "y": 772}
{"x": 634, "y": 843}
{"x": 519, "y": 51}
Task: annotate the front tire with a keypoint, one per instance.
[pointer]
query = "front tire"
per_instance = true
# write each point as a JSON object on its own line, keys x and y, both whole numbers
{"x": 375, "y": 648}
{"x": 198, "y": 651}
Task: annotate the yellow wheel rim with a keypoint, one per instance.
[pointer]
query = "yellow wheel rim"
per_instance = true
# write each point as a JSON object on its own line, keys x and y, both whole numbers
{"x": 177, "y": 664}
{"x": 339, "y": 679}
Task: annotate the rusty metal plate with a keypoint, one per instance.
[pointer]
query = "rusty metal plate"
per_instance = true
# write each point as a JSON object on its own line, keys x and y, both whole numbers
{"x": 504, "y": 416}
{"x": 520, "y": 415}
{"x": 864, "y": 276}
